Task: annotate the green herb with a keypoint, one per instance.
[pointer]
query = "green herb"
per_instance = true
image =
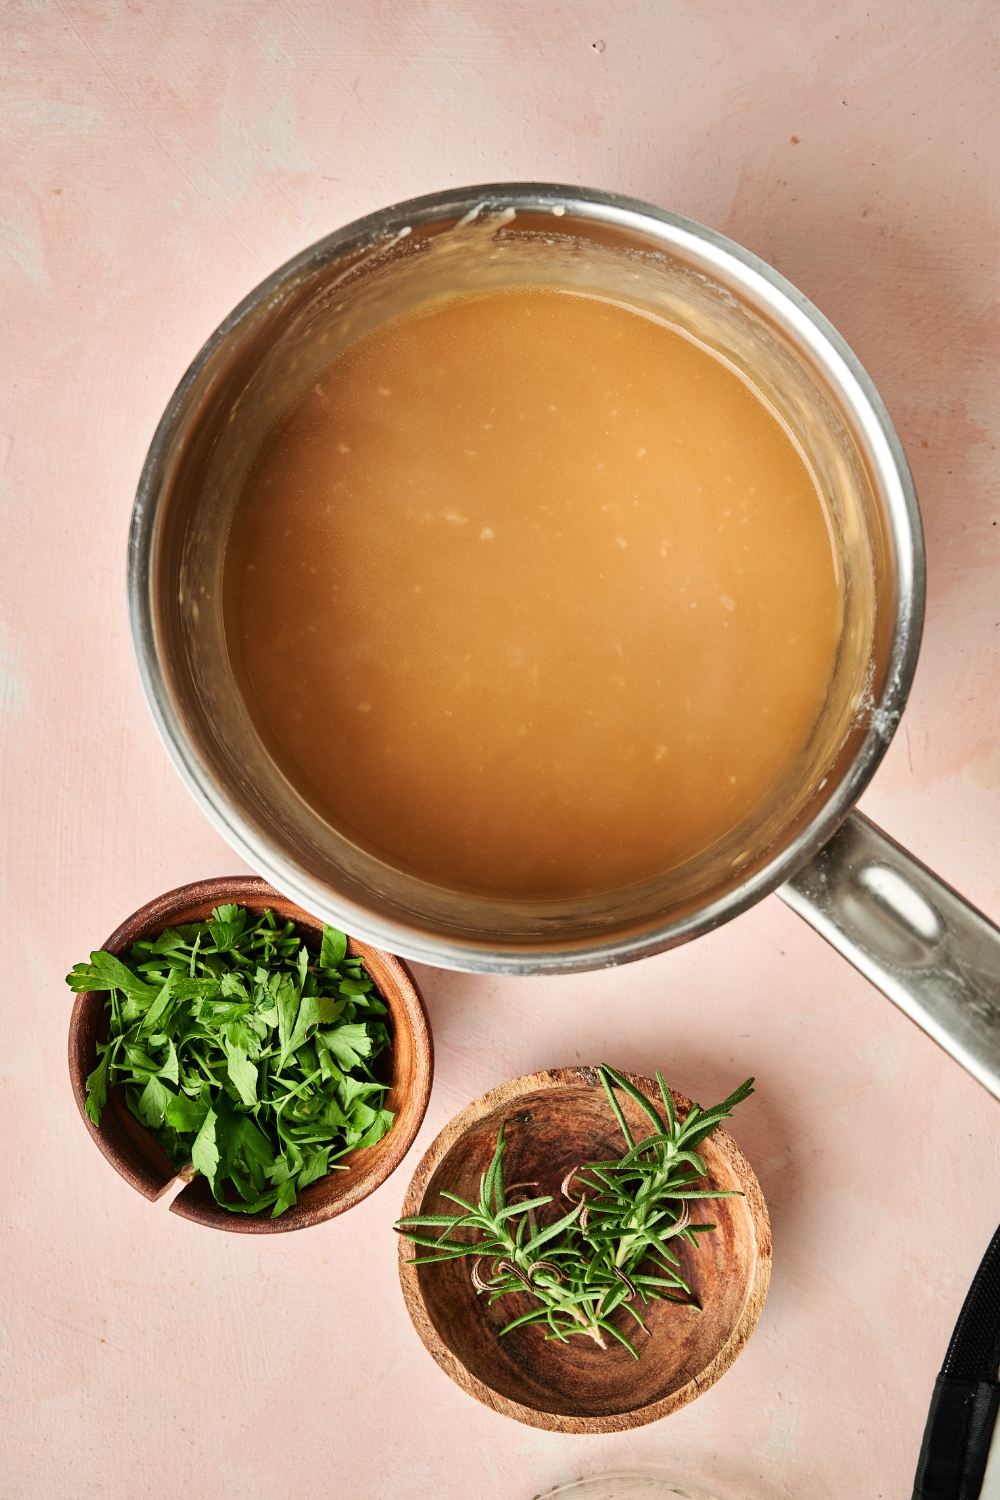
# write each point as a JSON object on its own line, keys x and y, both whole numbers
{"x": 246, "y": 1055}
{"x": 612, "y": 1248}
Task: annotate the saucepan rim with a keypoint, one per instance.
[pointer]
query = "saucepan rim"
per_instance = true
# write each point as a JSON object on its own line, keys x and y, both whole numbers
{"x": 830, "y": 352}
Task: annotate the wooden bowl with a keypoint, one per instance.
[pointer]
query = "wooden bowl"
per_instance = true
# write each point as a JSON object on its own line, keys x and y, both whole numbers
{"x": 132, "y": 1150}
{"x": 557, "y": 1120}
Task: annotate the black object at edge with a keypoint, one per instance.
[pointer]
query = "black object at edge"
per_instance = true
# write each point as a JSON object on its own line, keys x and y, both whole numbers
{"x": 966, "y": 1395}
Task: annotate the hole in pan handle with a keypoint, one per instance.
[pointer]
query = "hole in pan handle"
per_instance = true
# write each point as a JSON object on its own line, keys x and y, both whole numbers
{"x": 915, "y": 938}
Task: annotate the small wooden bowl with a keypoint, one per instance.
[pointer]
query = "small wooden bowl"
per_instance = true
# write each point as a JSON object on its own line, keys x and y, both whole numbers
{"x": 556, "y": 1120}
{"x": 131, "y": 1148}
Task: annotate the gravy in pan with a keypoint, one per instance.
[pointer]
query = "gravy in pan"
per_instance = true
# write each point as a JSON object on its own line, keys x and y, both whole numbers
{"x": 536, "y": 595}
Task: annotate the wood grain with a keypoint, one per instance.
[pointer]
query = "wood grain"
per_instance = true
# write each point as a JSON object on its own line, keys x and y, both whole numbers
{"x": 408, "y": 1065}
{"x": 556, "y": 1120}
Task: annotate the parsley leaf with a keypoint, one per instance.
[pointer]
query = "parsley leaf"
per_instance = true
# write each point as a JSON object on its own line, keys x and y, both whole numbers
{"x": 334, "y": 947}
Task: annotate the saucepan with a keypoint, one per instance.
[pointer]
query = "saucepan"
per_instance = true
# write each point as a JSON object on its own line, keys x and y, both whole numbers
{"x": 915, "y": 938}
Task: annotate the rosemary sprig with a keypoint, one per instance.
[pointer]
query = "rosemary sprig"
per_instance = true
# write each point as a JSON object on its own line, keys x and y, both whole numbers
{"x": 613, "y": 1246}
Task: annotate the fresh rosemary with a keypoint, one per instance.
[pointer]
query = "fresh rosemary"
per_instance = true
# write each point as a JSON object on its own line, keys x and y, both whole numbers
{"x": 612, "y": 1248}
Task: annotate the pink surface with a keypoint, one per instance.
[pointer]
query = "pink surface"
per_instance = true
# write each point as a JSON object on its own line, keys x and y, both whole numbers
{"x": 161, "y": 159}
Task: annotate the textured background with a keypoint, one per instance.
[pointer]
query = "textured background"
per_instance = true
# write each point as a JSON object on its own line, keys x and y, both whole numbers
{"x": 159, "y": 159}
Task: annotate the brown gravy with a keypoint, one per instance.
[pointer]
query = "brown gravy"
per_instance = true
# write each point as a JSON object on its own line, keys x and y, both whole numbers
{"x": 535, "y": 594}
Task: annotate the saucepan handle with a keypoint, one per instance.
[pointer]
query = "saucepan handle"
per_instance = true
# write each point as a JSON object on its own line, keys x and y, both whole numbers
{"x": 914, "y": 937}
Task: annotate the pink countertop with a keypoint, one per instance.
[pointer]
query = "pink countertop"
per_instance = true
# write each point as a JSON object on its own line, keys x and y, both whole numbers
{"x": 159, "y": 160}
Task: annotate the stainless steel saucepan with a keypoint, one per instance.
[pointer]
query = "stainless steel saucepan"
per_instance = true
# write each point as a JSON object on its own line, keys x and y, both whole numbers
{"x": 916, "y": 939}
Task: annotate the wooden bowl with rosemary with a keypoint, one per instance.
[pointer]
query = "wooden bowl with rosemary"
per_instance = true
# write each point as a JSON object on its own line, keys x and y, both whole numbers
{"x": 370, "y": 1077}
{"x": 611, "y": 1329}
